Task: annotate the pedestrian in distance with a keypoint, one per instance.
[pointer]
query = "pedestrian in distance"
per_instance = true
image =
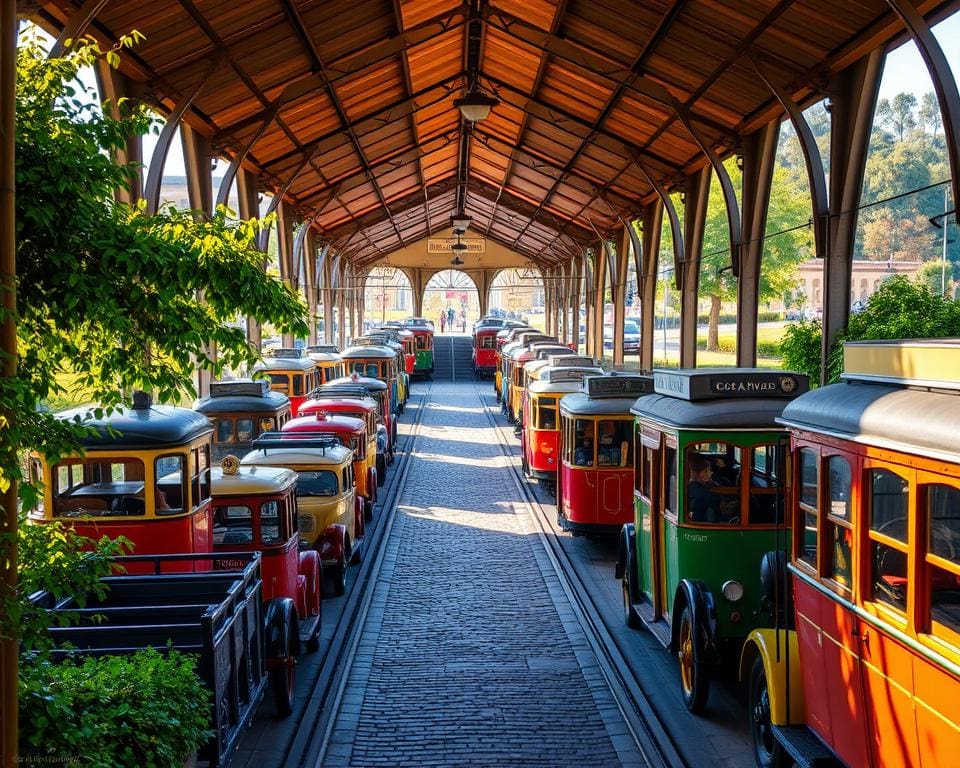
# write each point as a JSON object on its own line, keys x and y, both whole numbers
{"x": 443, "y": 321}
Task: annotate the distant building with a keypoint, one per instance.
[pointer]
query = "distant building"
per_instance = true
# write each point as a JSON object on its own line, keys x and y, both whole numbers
{"x": 865, "y": 279}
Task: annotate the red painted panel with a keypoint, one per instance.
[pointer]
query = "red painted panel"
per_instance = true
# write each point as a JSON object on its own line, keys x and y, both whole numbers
{"x": 295, "y": 402}
{"x": 543, "y": 449}
{"x": 841, "y": 679}
{"x": 580, "y": 495}
{"x": 616, "y": 496}
{"x": 279, "y": 568}
{"x": 887, "y": 673}
{"x": 807, "y": 605}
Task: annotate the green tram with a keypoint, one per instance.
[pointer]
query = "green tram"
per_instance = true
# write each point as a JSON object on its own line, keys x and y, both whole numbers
{"x": 709, "y": 490}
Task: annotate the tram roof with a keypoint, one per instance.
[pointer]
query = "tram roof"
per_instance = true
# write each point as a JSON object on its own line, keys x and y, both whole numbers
{"x": 885, "y": 415}
{"x": 731, "y": 413}
{"x": 331, "y": 422}
{"x": 271, "y": 402}
{"x": 579, "y": 403}
{"x": 250, "y": 480}
{"x": 346, "y": 109}
{"x": 285, "y": 364}
{"x": 336, "y": 402}
{"x": 156, "y": 426}
{"x": 322, "y": 458}
{"x": 373, "y": 352}
{"x": 371, "y": 384}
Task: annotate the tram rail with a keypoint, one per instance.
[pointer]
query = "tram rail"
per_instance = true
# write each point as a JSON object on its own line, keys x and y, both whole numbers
{"x": 645, "y": 726}
{"x": 318, "y": 712}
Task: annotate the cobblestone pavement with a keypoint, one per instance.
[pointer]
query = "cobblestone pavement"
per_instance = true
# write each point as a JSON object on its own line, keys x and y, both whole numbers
{"x": 470, "y": 654}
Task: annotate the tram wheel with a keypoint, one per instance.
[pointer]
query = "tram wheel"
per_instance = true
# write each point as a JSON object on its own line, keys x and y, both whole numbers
{"x": 338, "y": 573}
{"x": 283, "y": 677}
{"x": 630, "y": 616}
{"x": 767, "y": 751}
{"x": 694, "y": 682}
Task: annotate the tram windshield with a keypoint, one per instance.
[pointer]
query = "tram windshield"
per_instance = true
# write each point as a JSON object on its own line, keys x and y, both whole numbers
{"x": 546, "y": 417}
{"x": 317, "y": 483}
{"x": 614, "y": 442}
{"x": 365, "y": 369}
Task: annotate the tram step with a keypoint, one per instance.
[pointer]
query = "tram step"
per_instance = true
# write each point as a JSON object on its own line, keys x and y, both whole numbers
{"x": 804, "y": 747}
{"x": 657, "y": 625}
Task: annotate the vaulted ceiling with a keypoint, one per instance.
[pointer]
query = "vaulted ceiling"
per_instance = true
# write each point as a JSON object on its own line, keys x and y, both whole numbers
{"x": 346, "y": 107}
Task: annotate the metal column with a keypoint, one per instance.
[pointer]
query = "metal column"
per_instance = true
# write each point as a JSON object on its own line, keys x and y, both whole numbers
{"x": 618, "y": 261}
{"x": 694, "y": 221}
{"x": 248, "y": 195}
{"x": 652, "y": 223}
{"x": 285, "y": 254}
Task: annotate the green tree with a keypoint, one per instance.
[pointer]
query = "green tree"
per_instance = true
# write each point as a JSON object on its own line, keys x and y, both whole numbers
{"x": 930, "y": 113}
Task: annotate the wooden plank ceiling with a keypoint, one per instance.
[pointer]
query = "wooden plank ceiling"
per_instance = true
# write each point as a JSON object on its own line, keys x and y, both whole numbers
{"x": 349, "y": 105}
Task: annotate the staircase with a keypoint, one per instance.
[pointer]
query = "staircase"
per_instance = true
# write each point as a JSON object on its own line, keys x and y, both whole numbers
{"x": 453, "y": 358}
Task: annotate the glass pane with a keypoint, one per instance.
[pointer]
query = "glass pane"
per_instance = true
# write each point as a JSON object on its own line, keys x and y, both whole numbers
{"x": 945, "y": 597}
{"x": 546, "y": 415}
{"x": 888, "y": 504}
{"x": 838, "y": 486}
{"x": 224, "y": 430}
{"x": 583, "y": 446}
{"x": 102, "y": 487}
{"x": 808, "y": 550}
{"x": 943, "y": 516}
{"x": 808, "y": 478}
{"x": 321, "y": 483}
{"x": 615, "y": 439}
{"x": 232, "y": 524}
{"x": 168, "y": 494}
{"x": 839, "y": 541}
{"x": 271, "y": 521}
{"x": 713, "y": 493}
{"x": 670, "y": 457}
{"x": 767, "y": 492}
{"x": 244, "y": 430}
{"x": 889, "y": 575}
{"x": 299, "y": 384}
{"x": 278, "y": 382}
{"x": 204, "y": 464}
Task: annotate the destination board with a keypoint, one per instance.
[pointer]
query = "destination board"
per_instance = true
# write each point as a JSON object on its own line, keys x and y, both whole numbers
{"x": 544, "y": 353}
{"x": 920, "y": 362}
{"x": 616, "y": 385}
{"x": 287, "y": 353}
{"x": 554, "y": 375}
{"x": 570, "y": 361}
{"x": 246, "y": 387}
{"x": 718, "y": 383}
{"x": 331, "y": 349}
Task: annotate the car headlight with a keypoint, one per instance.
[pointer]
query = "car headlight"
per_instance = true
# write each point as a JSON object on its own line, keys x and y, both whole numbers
{"x": 732, "y": 590}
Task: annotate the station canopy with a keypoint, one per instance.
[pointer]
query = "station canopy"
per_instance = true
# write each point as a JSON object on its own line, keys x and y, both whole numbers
{"x": 347, "y": 107}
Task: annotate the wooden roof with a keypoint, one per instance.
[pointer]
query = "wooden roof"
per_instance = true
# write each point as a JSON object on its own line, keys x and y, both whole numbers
{"x": 349, "y": 105}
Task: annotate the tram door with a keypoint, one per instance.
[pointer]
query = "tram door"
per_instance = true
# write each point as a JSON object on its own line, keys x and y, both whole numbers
{"x": 650, "y": 518}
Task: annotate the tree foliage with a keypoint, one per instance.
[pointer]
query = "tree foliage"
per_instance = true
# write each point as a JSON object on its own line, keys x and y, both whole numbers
{"x": 899, "y": 309}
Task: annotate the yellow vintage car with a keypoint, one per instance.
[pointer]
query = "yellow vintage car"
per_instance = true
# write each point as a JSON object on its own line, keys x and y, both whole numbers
{"x": 330, "y": 514}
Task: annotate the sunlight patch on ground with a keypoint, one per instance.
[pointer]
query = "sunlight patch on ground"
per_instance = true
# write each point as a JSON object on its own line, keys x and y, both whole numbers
{"x": 494, "y": 462}
{"x": 454, "y": 408}
{"x": 472, "y": 435}
{"x": 501, "y": 516}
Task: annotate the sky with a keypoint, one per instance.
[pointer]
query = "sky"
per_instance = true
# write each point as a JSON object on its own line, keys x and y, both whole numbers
{"x": 904, "y": 72}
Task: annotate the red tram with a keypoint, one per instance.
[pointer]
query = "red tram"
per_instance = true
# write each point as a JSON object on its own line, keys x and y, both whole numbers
{"x": 597, "y": 468}
{"x": 863, "y": 661}
{"x": 485, "y": 350}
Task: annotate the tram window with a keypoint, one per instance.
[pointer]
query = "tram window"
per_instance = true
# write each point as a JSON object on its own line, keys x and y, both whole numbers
{"x": 272, "y": 522}
{"x": 487, "y": 342}
{"x": 888, "y": 504}
{"x": 36, "y": 477}
{"x": 713, "y": 492}
{"x": 267, "y": 424}
{"x": 278, "y": 382}
{"x": 299, "y": 384}
{"x": 100, "y": 486}
{"x": 546, "y": 413}
{"x": 244, "y": 430}
{"x": 645, "y": 475}
{"x": 839, "y": 534}
{"x": 200, "y": 482}
{"x": 809, "y": 502}
{"x": 224, "y": 430}
{"x": 232, "y": 525}
{"x": 670, "y": 463}
{"x": 317, "y": 483}
{"x": 168, "y": 493}
{"x": 943, "y": 555}
{"x": 583, "y": 443}
{"x": 614, "y": 441}
{"x": 766, "y": 487}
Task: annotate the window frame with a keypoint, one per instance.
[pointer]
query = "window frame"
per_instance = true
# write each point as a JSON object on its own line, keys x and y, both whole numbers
{"x": 801, "y": 509}
{"x": 929, "y": 630}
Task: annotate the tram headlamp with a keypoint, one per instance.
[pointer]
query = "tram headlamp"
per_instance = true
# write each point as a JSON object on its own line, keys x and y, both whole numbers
{"x": 732, "y": 590}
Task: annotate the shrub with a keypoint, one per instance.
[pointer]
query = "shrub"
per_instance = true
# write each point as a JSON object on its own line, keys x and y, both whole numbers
{"x": 147, "y": 709}
{"x": 800, "y": 348}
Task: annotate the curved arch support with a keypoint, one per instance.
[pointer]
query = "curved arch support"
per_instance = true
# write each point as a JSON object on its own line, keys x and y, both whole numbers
{"x": 675, "y": 229}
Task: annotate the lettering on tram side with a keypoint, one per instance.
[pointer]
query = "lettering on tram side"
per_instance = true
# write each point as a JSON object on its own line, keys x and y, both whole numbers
{"x": 698, "y": 538}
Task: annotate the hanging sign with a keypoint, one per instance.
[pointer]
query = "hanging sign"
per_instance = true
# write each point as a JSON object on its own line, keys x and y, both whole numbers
{"x": 474, "y": 245}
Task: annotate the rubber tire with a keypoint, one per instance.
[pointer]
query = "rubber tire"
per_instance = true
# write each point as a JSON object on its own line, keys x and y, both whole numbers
{"x": 313, "y": 642}
{"x": 381, "y": 470}
{"x": 767, "y": 751}
{"x": 630, "y": 616}
{"x": 694, "y": 693}
{"x": 283, "y": 680}
{"x": 368, "y": 510}
{"x": 338, "y": 575}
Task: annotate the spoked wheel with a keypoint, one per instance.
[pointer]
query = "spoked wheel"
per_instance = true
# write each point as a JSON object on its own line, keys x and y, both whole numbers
{"x": 283, "y": 677}
{"x": 768, "y": 752}
{"x": 694, "y": 683}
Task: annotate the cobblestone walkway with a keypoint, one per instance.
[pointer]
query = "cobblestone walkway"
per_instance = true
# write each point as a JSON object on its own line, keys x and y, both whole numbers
{"x": 470, "y": 655}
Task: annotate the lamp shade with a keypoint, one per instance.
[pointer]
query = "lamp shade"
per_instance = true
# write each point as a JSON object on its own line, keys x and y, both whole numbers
{"x": 456, "y": 261}
{"x": 475, "y": 105}
{"x": 458, "y": 246}
{"x": 459, "y": 223}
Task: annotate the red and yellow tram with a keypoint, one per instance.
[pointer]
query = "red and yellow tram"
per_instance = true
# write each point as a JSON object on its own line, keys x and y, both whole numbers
{"x": 379, "y": 391}
{"x": 144, "y": 474}
{"x": 595, "y": 492}
{"x": 291, "y": 372}
{"x": 540, "y": 436}
{"x": 328, "y": 361}
{"x": 423, "y": 341}
{"x": 863, "y": 661}
{"x": 485, "y": 350}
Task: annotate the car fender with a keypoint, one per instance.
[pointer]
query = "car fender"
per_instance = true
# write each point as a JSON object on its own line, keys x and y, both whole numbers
{"x": 780, "y": 651}
{"x": 372, "y": 484}
{"x": 309, "y": 569}
{"x": 280, "y": 614}
{"x": 331, "y": 545}
{"x": 697, "y": 595}
{"x": 357, "y": 516}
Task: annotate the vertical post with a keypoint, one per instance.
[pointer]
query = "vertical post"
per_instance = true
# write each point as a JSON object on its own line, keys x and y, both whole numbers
{"x": 285, "y": 253}
{"x": 694, "y": 221}
{"x": 618, "y": 291}
{"x": 310, "y": 282}
{"x": 248, "y": 195}
{"x": 327, "y": 294}
{"x": 8, "y": 364}
{"x": 652, "y": 219}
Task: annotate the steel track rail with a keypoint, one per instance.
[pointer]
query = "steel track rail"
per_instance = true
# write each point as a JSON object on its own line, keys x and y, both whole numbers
{"x": 305, "y": 749}
{"x": 648, "y": 732}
